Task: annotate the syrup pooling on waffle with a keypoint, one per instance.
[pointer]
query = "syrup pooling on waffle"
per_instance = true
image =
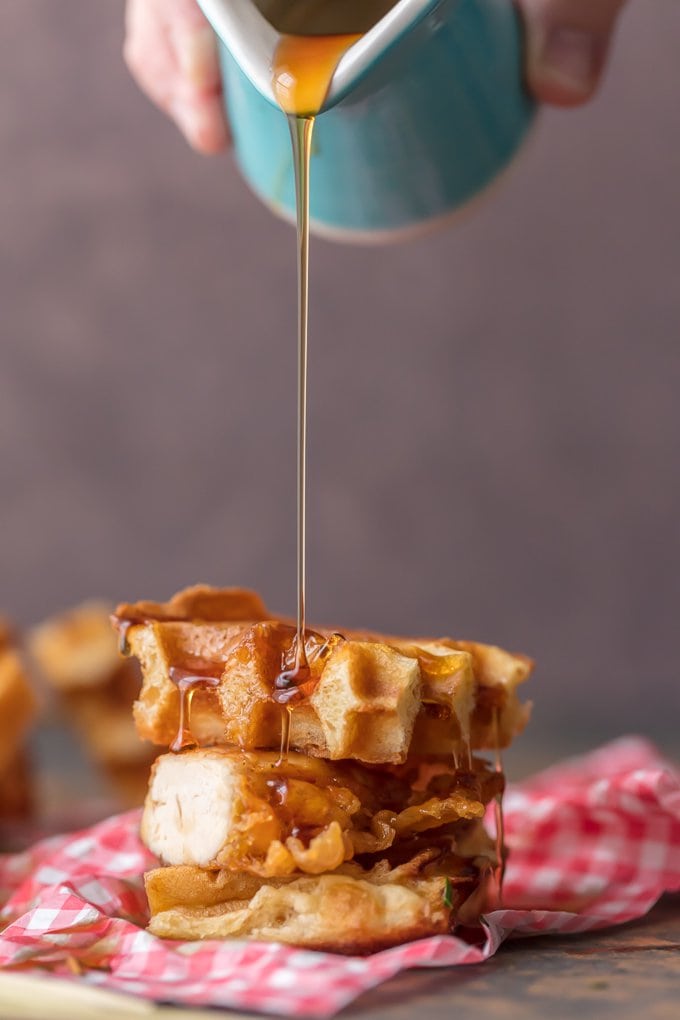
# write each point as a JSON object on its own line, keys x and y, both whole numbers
{"x": 199, "y": 675}
{"x": 293, "y": 674}
{"x": 298, "y": 678}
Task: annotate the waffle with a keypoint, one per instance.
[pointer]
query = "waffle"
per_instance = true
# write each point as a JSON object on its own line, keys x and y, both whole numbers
{"x": 331, "y": 912}
{"x": 375, "y": 699}
{"x": 77, "y": 655}
{"x": 349, "y": 911}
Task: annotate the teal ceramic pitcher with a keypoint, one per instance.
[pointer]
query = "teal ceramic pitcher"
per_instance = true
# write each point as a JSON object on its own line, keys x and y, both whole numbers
{"x": 422, "y": 114}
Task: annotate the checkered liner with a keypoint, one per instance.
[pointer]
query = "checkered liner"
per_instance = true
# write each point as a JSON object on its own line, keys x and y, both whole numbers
{"x": 594, "y": 842}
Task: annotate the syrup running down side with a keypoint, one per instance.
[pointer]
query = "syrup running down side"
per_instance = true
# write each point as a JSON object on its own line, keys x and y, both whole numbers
{"x": 294, "y": 683}
{"x": 200, "y": 675}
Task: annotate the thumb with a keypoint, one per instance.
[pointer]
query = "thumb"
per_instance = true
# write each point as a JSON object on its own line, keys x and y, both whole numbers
{"x": 567, "y": 45}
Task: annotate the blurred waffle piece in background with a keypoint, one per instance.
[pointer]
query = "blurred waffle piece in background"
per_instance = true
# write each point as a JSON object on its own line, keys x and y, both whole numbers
{"x": 18, "y": 709}
{"x": 77, "y": 655}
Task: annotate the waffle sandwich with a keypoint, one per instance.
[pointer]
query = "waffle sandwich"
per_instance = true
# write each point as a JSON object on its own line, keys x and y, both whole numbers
{"x": 77, "y": 656}
{"x": 341, "y": 812}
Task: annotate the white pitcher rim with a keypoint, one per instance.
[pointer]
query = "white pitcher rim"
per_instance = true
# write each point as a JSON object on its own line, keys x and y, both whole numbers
{"x": 252, "y": 40}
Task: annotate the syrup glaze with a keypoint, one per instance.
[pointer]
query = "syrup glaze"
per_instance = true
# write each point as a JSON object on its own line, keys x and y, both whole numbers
{"x": 199, "y": 675}
{"x": 296, "y": 682}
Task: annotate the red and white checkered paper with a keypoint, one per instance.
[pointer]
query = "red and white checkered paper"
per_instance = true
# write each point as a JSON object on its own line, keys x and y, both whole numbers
{"x": 593, "y": 842}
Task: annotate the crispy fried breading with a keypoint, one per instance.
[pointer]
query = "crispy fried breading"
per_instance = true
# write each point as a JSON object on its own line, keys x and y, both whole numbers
{"x": 224, "y": 808}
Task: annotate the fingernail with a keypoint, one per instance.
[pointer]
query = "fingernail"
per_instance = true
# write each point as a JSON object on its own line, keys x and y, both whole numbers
{"x": 570, "y": 56}
{"x": 197, "y": 55}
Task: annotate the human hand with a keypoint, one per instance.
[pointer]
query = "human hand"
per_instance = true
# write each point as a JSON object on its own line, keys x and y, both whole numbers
{"x": 567, "y": 47}
{"x": 171, "y": 52}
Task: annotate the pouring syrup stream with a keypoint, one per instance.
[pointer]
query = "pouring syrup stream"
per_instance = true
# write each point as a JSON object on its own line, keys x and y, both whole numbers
{"x": 301, "y": 129}
{"x": 302, "y": 71}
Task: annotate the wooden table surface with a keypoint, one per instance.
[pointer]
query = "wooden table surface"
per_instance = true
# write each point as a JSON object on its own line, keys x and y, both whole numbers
{"x": 631, "y": 973}
{"x": 627, "y": 972}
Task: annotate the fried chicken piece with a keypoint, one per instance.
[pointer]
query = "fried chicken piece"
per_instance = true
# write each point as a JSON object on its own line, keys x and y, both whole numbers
{"x": 249, "y": 812}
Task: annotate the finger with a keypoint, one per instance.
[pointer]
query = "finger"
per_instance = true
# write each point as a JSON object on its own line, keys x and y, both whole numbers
{"x": 171, "y": 52}
{"x": 202, "y": 121}
{"x": 194, "y": 44}
{"x": 567, "y": 46}
{"x": 197, "y": 104}
{"x": 148, "y": 54}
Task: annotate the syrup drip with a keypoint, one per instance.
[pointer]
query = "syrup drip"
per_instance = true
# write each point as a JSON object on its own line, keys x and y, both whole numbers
{"x": 123, "y": 627}
{"x": 188, "y": 681}
{"x": 286, "y": 719}
{"x": 327, "y": 647}
{"x": 294, "y": 684}
{"x": 279, "y": 788}
{"x": 464, "y": 722}
{"x": 498, "y": 814}
{"x": 297, "y": 680}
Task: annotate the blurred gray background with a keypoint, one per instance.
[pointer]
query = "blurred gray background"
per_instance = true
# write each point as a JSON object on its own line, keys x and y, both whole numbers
{"x": 494, "y": 410}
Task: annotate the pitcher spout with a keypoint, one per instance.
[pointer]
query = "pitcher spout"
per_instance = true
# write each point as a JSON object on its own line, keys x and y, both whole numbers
{"x": 252, "y": 38}
{"x": 248, "y": 36}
